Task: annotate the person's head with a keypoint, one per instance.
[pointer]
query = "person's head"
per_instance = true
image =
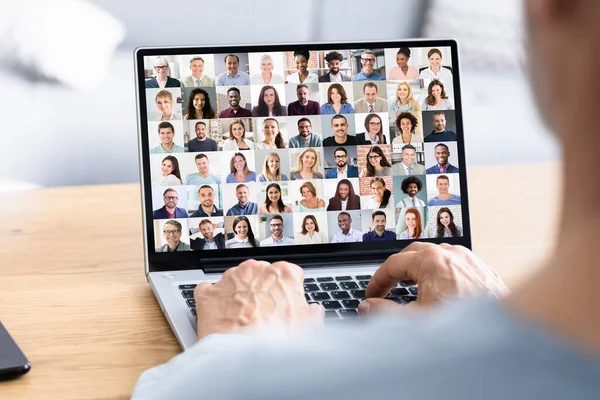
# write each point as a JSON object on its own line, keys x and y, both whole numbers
{"x": 435, "y": 58}
{"x": 303, "y": 94}
{"x": 276, "y": 225}
{"x": 273, "y": 197}
{"x": 379, "y": 220}
{"x": 268, "y": 99}
{"x": 376, "y": 159}
{"x": 374, "y": 126}
{"x": 238, "y": 163}
{"x": 170, "y": 166}
{"x": 232, "y": 64}
{"x": 171, "y": 198}
{"x": 445, "y": 217}
{"x": 202, "y": 163}
{"x": 404, "y": 95}
{"x": 164, "y": 102}
{"x": 344, "y": 222}
{"x": 172, "y": 232}
{"x": 334, "y": 61}
{"x": 243, "y": 230}
{"x": 379, "y": 191}
{"x": 206, "y": 229}
{"x": 242, "y": 193}
{"x": 161, "y": 67}
{"x": 309, "y": 224}
{"x": 272, "y": 167}
{"x": 206, "y": 196}
{"x": 442, "y": 153}
{"x": 308, "y": 191}
{"x": 412, "y": 217}
{"x": 439, "y": 121}
{"x": 402, "y": 57}
{"x": 272, "y": 132}
{"x": 336, "y": 94}
{"x": 368, "y": 59}
{"x": 308, "y": 159}
{"x": 370, "y": 92}
{"x": 442, "y": 183}
{"x": 435, "y": 92}
{"x": 301, "y": 59}
{"x": 233, "y": 97}
{"x": 344, "y": 189}
{"x": 199, "y": 103}
{"x": 266, "y": 63}
{"x": 340, "y": 156}
{"x": 166, "y": 132}
{"x": 304, "y": 128}
{"x": 200, "y": 129}
{"x": 411, "y": 186}
{"x": 406, "y": 123}
{"x": 237, "y": 130}
{"x": 339, "y": 126}
{"x": 408, "y": 154}
{"x": 197, "y": 66}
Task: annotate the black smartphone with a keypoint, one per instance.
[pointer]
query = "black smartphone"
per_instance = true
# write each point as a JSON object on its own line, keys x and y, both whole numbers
{"x": 13, "y": 362}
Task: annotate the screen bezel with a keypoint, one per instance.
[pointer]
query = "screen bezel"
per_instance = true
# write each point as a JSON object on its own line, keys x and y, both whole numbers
{"x": 304, "y": 255}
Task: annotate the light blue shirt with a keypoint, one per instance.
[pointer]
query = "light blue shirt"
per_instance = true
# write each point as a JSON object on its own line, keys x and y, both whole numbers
{"x": 327, "y": 108}
{"x": 212, "y": 245}
{"x": 196, "y": 179}
{"x": 263, "y": 178}
{"x": 452, "y": 201}
{"x": 160, "y": 150}
{"x": 250, "y": 178}
{"x": 314, "y": 140}
{"x": 374, "y": 76}
{"x": 241, "y": 78}
{"x": 352, "y": 236}
{"x": 464, "y": 349}
{"x": 285, "y": 241}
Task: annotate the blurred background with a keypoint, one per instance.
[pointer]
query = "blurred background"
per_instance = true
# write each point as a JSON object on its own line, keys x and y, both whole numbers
{"x": 68, "y": 94}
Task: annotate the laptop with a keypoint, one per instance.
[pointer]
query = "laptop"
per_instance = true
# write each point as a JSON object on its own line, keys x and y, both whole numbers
{"x": 332, "y": 156}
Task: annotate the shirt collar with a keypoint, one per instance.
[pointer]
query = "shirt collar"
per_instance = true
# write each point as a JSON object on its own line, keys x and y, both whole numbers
{"x": 234, "y": 76}
{"x": 240, "y": 241}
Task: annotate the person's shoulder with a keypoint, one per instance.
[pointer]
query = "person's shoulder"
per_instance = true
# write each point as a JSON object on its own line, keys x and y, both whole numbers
{"x": 324, "y": 78}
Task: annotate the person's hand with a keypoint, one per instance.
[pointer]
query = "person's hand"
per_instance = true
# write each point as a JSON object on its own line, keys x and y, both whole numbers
{"x": 440, "y": 270}
{"x": 254, "y": 293}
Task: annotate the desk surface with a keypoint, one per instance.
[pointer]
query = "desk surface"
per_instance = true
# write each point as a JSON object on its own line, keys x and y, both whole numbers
{"x": 74, "y": 296}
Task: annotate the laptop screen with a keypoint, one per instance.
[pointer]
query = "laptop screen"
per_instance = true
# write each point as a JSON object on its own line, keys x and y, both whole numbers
{"x": 336, "y": 150}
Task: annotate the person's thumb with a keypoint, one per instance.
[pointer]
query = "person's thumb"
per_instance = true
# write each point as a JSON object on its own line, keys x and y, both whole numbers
{"x": 378, "y": 306}
{"x": 317, "y": 311}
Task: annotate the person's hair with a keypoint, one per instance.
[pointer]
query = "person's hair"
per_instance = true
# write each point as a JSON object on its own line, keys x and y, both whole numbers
{"x": 251, "y": 238}
{"x": 175, "y": 164}
{"x": 413, "y": 120}
{"x": 345, "y": 213}
{"x": 310, "y": 187}
{"x": 266, "y": 57}
{"x": 301, "y": 85}
{"x": 231, "y": 55}
{"x": 276, "y": 216}
{"x": 434, "y": 51}
{"x": 405, "y": 51}
{"x": 241, "y": 185}
{"x": 409, "y": 181}
{"x": 233, "y": 89}
{"x": 314, "y": 219}
{"x": 199, "y": 156}
{"x": 452, "y": 226}
{"x": 300, "y": 164}
{"x": 338, "y": 116}
{"x": 165, "y": 94}
{"x": 240, "y": 122}
{"x": 340, "y": 90}
{"x": 232, "y": 167}
{"x": 367, "y": 52}
{"x": 304, "y": 119}
{"x": 280, "y": 204}
{"x": 380, "y": 133}
{"x": 430, "y": 98}
{"x": 411, "y": 97}
{"x": 383, "y": 161}
{"x": 442, "y": 145}
{"x": 205, "y": 187}
{"x": 304, "y": 53}
{"x": 205, "y": 221}
{"x": 418, "y": 227}
{"x": 199, "y": 123}
{"x": 370, "y": 84}
{"x": 279, "y": 143}
{"x": 197, "y": 58}
{"x": 174, "y": 223}
{"x": 442, "y": 177}
{"x": 207, "y": 111}
{"x": 166, "y": 125}
{"x": 386, "y": 193}
{"x": 161, "y": 58}
{"x": 262, "y": 110}
{"x": 334, "y": 55}
{"x": 267, "y": 172}
{"x": 409, "y": 147}
{"x": 169, "y": 190}
{"x": 376, "y": 213}
{"x": 438, "y": 113}
{"x": 351, "y": 193}
{"x": 340, "y": 149}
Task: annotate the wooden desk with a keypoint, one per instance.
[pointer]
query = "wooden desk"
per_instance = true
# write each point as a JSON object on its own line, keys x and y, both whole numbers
{"x": 74, "y": 296}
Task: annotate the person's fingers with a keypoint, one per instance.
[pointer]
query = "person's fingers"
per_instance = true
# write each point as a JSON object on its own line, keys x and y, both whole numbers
{"x": 398, "y": 267}
{"x": 289, "y": 270}
{"x": 201, "y": 289}
{"x": 317, "y": 310}
{"x": 378, "y": 306}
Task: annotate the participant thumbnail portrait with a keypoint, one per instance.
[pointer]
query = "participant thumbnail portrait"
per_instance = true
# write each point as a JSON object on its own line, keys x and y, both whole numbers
{"x": 275, "y": 198}
{"x": 410, "y": 191}
{"x": 307, "y": 195}
{"x": 336, "y": 98}
{"x": 232, "y": 69}
{"x": 377, "y": 192}
{"x": 167, "y": 202}
{"x": 340, "y": 162}
{"x": 266, "y": 68}
{"x": 445, "y": 221}
{"x": 207, "y": 233}
{"x": 443, "y": 190}
{"x": 241, "y": 166}
{"x": 237, "y": 134}
{"x": 171, "y": 235}
{"x": 197, "y": 70}
{"x": 164, "y": 104}
{"x": 345, "y": 226}
{"x": 271, "y": 133}
{"x": 405, "y": 128}
{"x": 378, "y": 225}
{"x": 306, "y": 163}
{"x": 241, "y": 232}
{"x": 405, "y": 96}
{"x": 370, "y": 97}
{"x": 403, "y": 63}
{"x": 276, "y": 230}
{"x": 165, "y": 137}
{"x": 310, "y": 228}
{"x": 165, "y": 170}
{"x": 343, "y": 194}
{"x": 234, "y": 102}
{"x": 303, "y": 99}
{"x": 374, "y": 160}
{"x": 436, "y": 63}
{"x": 203, "y": 168}
{"x": 339, "y": 130}
{"x": 272, "y": 165}
{"x": 162, "y": 72}
{"x": 411, "y": 223}
{"x": 372, "y": 128}
{"x": 268, "y": 101}
{"x": 204, "y": 201}
{"x": 240, "y": 199}
{"x": 368, "y": 64}
{"x": 438, "y": 96}
{"x": 441, "y": 158}
{"x": 334, "y": 66}
{"x": 410, "y": 160}
{"x": 201, "y": 135}
{"x": 308, "y": 131}
{"x": 301, "y": 66}
{"x": 439, "y": 126}
{"x": 199, "y": 103}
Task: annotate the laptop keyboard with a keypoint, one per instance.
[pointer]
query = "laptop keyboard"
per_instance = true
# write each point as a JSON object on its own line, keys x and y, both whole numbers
{"x": 339, "y": 295}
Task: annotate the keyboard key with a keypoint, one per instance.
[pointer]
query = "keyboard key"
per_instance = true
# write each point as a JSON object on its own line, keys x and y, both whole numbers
{"x": 414, "y": 291}
{"x": 325, "y": 279}
{"x": 359, "y": 294}
{"x": 193, "y": 312}
{"x": 349, "y": 285}
{"x": 188, "y": 294}
{"x": 340, "y": 295}
{"x": 363, "y": 277}
{"x": 329, "y": 286}
{"x": 331, "y": 305}
{"x": 349, "y": 314}
{"x": 331, "y": 315}
{"x": 309, "y": 280}
{"x": 307, "y": 296}
{"x": 351, "y": 303}
{"x": 399, "y": 292}
{"x": 343, "y": 278}
{"x": 409, "y": 299}
{"x": 191, "y": 303}
{"x": 311, "y": 287}
{"x": 321, "y": 296}
{"x": 186, "y": 287}
{"x": 364, "y": 284}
